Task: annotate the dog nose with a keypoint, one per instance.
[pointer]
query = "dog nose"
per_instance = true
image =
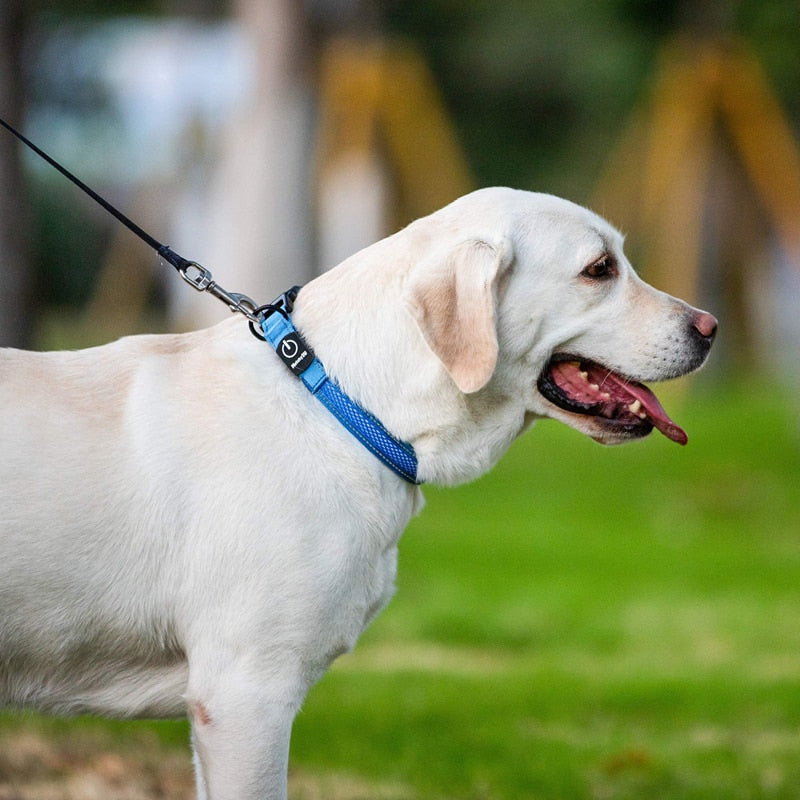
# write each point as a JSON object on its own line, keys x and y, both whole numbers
{"x": 705, "y": 324}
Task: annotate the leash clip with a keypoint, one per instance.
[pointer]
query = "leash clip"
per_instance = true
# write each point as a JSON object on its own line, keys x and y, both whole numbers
{"x": 201, "y": 279}
{"x": 283, "y": 305}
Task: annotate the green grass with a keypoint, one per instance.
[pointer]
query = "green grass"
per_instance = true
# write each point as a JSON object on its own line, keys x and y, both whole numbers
{"x": 590, "y": 622}
{"x": 586, "y": 622}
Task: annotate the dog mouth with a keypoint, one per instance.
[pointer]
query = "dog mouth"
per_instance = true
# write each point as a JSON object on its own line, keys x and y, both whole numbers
{"x": 618, "y": 404}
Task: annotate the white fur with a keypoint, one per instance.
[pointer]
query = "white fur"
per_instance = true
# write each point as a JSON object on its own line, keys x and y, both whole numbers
{"x": 183, "y": 527}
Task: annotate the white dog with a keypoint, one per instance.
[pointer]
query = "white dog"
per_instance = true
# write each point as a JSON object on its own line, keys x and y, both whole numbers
{"x": 185, "y": 528}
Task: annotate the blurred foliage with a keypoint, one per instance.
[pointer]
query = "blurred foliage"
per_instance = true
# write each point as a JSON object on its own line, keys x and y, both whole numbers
{"x": 539, "y": 92}
{"x": 71, "y": 240}
{"x": 542, "y": 90}
{"x": 95, "y": 8}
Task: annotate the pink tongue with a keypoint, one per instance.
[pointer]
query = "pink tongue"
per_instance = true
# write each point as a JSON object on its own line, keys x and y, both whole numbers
{"x": 650, "y": 405}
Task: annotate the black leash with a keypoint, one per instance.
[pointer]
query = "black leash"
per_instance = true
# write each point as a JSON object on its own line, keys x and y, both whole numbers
{"x": 193, "y": 273}
{"x": 279, "y": 331}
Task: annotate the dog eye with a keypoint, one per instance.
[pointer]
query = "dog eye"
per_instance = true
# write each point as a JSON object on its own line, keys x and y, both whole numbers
{"x": 602, "y": 269}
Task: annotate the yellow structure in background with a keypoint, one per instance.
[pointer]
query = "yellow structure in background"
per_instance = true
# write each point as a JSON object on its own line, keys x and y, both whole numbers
{"x": 380, "y": 98}
{"x": 658, "y": 181}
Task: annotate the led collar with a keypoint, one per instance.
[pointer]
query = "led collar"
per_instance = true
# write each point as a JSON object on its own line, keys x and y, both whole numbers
{"x": 299, "y": 358}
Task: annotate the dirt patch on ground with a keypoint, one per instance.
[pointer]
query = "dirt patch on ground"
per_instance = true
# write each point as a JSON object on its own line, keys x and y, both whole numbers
{"x": 33, "y": 767}
{"x": 85, "y": 766}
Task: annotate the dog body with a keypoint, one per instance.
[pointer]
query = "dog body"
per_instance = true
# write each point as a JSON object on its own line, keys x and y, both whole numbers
{"x": 184, "y": 528}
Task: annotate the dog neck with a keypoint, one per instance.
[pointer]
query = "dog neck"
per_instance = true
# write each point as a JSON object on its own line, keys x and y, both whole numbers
{"x": 300, "y": 359}
{"x": 355, "y": 318}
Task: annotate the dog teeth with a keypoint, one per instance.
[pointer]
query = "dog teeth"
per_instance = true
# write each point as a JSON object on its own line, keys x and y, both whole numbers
{"x": 585, "y": 375}
{"x": 605, "y": 396}
{"x": 635, "y": 407}
{"x": 594, "y": 387}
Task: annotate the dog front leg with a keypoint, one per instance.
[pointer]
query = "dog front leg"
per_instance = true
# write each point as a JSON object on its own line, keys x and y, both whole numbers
{"x": 240, "y": 735}
{"x": 201, "y": 790}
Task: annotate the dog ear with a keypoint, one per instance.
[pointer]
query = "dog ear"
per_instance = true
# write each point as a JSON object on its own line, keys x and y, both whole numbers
{"x": 454, "y": 303}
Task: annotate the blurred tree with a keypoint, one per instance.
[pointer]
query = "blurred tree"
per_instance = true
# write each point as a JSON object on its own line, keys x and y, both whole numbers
{"x": 259, "y": 214}
{"x": 15, "y": 272}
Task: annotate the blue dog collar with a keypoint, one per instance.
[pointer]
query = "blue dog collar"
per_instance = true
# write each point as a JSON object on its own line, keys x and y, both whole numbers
{"x": 296, "y": 354}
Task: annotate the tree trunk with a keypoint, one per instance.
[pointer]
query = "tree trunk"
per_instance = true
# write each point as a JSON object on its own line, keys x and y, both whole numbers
{"x": 15, "y": 268}
{"x": 257, "y": 236}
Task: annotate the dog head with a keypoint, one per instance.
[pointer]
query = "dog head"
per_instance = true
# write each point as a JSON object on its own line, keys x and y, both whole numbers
{"x": 545, "y": 305}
